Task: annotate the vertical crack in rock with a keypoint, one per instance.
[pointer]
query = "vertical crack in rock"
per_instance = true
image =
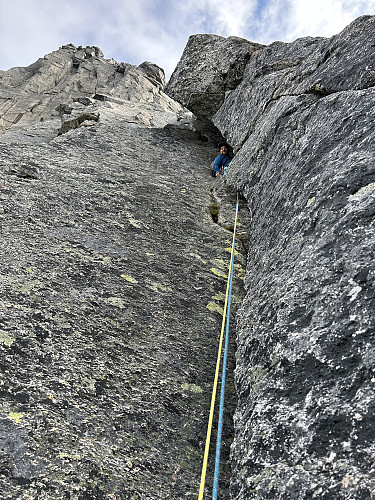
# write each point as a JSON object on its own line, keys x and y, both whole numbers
{"x": 214, "y": 207}
{"x": 301, "y": 123}
{"x": 112, "y": 300}
{"x": 112, "y": 282}
{"x": 222, "y": 201}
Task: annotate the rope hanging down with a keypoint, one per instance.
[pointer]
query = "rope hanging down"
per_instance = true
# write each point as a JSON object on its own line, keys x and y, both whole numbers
{"x": 215, "y": 489}
{"x": 226, "y": 314}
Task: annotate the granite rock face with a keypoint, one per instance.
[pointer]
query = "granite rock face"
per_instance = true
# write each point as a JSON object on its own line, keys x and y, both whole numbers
{"x": 112, "y": 278}
{"x": 114, "y": 251}
{"x": 75, "y": 80}
{"x": 301, "y": 122}
{"x": 210, "y": 66}
{"x": 308, "y": 67}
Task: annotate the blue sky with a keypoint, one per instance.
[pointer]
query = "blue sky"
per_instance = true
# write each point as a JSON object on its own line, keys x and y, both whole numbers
{"x": 134, "y": 31}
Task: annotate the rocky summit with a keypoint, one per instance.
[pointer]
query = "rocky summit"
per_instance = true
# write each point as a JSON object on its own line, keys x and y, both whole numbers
{"x": 115, "y": 248}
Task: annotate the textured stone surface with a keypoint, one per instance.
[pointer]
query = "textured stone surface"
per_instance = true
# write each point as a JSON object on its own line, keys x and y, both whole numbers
{"x": 301, "y": 122}
{"x": 210, "y": 66}
{"x": 107, "y": 355}
{"x": 304, "y": 424}
{"x": 305, "y": 356}
{"x": 307, "y": 67}
{"x": 76, "y": 80}
{"x": 112, "y": 278}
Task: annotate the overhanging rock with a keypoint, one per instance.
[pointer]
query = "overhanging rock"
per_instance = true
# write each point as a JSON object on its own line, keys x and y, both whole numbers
{"x": 210, "y": 67}
{"x": 301, "y": 122}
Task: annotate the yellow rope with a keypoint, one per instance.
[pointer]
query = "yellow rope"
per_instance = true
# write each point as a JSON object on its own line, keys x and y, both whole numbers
{"x": 214, "y": 389}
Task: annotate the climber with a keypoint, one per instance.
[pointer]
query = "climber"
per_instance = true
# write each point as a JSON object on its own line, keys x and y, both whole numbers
{"x": 222, "y": 161}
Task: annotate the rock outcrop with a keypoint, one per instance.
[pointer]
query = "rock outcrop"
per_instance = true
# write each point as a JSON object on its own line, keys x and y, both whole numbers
{"x": 74, "y": 81}
{"x": 301, "y": 122}
{"x": 210, "y": 66}
{"x": 112, "y": 278}
{"x": 114, "y": 252}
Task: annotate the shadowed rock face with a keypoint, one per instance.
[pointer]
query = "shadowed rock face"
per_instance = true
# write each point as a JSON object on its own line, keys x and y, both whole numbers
{"x": 112, "y": 278}
{"x": 301, "y": 122}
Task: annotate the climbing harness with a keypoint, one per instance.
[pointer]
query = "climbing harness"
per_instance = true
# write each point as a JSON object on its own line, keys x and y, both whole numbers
{"x": 226, "y": 316}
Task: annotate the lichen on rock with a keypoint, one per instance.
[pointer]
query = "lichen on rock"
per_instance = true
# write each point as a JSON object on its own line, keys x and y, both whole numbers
{"x": 107, "y": 347}
{"x": 300, "y": 121}
{"x": 115, "y": 254}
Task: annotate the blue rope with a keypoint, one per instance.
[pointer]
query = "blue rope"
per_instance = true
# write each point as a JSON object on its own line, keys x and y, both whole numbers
{"x": 215, "y": 489}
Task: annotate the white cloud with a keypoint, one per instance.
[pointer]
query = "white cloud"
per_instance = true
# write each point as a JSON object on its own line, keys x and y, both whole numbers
{"x": 325, "y": 17}
{"x": 287, "y": 20}
{"x": 227, "y": 17}
{"x": 157, "y": 30}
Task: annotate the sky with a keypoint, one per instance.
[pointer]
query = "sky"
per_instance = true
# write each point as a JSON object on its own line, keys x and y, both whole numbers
{"x": 134, "y": 31}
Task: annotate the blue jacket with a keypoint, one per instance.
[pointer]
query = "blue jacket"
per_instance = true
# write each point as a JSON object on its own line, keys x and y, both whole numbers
{"x": 220, "y": 162}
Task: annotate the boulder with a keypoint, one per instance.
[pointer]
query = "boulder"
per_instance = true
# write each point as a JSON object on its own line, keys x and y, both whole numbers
{"x": 154, "y": 73}
{"x": 210, "y": 66}
{"x": 85, "y": 119}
